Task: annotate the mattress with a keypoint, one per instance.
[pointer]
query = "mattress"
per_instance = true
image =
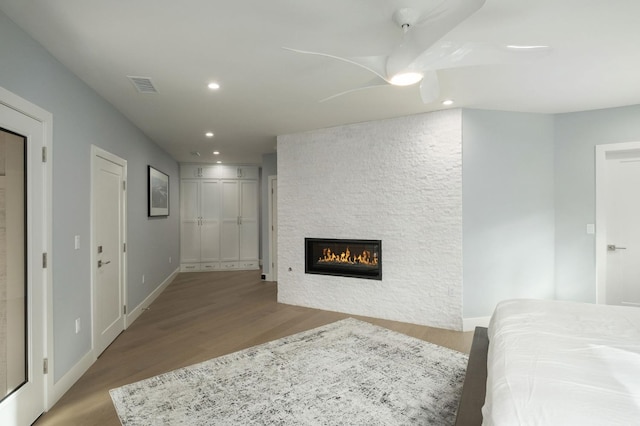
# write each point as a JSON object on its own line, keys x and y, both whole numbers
{"x": 563, "y": 363}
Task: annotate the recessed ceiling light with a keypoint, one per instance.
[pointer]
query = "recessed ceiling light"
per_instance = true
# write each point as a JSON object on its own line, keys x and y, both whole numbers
{"x": 213, "y": 86}
{"x": 447, "y": 102}
{"x": 218, "y": 162}
{"x": 216, "y": 152}
{"x": 209, "y": 134}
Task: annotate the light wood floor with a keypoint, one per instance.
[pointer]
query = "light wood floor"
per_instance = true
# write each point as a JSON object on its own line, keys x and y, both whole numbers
{"x": 198, "y": 317}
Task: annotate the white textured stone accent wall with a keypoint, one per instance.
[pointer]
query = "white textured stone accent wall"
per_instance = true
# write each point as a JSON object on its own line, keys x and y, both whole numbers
{"x": 397, "y": 180}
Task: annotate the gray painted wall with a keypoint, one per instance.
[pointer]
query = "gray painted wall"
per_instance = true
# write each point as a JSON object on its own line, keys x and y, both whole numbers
{"x": 269, "y": 168}
{"x": 517, "y": 169}
{"x": 508, "y": 208}
{"x": 576, "y": 135}
{"x": 82, "y": 118}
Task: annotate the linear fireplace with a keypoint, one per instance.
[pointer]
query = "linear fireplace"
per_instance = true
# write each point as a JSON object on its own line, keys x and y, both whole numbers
{"x": 346, "y": 258}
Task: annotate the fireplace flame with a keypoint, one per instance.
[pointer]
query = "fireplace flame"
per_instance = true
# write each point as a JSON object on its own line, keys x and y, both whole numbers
{"x": 365, "y": 258}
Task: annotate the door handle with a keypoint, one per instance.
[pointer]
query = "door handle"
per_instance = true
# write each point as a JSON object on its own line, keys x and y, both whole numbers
{"x": 613, "y": 247}
{"x": 100, "y": 263}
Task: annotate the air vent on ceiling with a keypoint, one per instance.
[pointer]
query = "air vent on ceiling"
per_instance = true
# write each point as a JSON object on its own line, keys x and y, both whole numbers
{"x": 143, "y": 84}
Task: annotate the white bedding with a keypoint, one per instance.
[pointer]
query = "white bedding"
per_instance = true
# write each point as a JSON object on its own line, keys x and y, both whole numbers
{"x": 563, "y": 363}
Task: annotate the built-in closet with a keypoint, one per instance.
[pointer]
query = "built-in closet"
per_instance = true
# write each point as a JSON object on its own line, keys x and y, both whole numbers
{"x": 219, "y": 217}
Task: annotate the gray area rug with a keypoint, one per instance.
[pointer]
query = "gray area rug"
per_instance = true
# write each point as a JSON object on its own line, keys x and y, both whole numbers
{"x": 346, "y": 373}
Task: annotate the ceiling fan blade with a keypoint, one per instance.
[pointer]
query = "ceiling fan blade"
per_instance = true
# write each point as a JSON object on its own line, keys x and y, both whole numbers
{"x": 429, "y": 87}
{"x": 374, "y": 64}
{"x": 371, "y": 85}
{"x": 415, "y": 55}
{"x": 444, "y": 18}
{"x": 463, "y": 54}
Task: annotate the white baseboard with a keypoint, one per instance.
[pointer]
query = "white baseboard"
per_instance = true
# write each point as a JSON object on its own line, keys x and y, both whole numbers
{"x": 138, "y": 310}
{"x": 470, "y": 324}
{"x": 64, "y": 384}
{"x": 60, "y": 387}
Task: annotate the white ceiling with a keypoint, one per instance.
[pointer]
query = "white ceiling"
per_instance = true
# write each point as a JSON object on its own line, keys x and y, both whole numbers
{"x": 267, "y": 91}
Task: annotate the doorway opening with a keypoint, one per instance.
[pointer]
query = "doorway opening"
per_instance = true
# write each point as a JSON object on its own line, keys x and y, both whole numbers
{"x": 273, "y": 228}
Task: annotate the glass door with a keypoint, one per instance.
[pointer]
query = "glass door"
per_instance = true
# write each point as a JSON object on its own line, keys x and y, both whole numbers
{"x": 22, "y": 276}
{"x": 13, "y": 291}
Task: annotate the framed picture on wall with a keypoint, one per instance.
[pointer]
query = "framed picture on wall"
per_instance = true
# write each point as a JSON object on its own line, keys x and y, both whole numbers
{"x": 158, "y": 193}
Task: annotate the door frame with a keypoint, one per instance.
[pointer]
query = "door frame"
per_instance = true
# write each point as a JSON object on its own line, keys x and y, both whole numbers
{"x": 273, "y": 231}
{"x": 97, "y": 152}
{"x": 601, "y": 152}
{"x": 29, "y": 109}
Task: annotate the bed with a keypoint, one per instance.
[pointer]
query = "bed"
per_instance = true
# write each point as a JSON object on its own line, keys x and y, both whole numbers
{"x": 554, "y": 363}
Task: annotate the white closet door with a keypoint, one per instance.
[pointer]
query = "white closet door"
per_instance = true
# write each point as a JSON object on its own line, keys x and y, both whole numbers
{"x": 190, "y": 221}
{"x": 248, "y": 220}
{"x": 210, "y": 221}
{"x": 229, "y": 231}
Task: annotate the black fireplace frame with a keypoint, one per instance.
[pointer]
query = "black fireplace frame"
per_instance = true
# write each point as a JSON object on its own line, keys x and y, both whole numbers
{"x": 353, "y": 271}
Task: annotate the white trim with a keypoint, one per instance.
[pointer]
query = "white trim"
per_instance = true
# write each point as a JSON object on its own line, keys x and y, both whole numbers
{"x": 75, "y": 373}
{"x": 70, "y": 378}
{"x": 601, "y": 227}
{"x": 470, "y": 324}
{"x": 135, "y": 313}
{"x": 273, "y": 234}
{"x": 25, "y": 107}
{"x": 29, "y": 109}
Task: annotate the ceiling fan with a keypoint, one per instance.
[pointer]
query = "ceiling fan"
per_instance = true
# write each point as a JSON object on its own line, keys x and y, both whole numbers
{"x": 421, "y": 52}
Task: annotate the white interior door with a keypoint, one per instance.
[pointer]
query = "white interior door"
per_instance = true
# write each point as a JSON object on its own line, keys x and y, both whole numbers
{"x": 22, "y": 277}
{"x": 189, "y": 221}
{"x": 210, "y": 221}
{"x": 108, "y": 197}
{"x": 619, "y": 243}
{"x": 229, "y": 231}
{"x": 248, "y": 220}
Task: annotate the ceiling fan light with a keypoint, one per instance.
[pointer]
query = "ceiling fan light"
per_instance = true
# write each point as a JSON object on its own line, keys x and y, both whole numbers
{"x": 406, "y": 78}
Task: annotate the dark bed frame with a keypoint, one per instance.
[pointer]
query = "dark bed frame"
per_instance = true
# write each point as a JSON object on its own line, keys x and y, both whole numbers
{"x": 474, "y": 388}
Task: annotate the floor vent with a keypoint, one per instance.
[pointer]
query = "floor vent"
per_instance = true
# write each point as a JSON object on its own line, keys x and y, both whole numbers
{"x": 143, "y": 84}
